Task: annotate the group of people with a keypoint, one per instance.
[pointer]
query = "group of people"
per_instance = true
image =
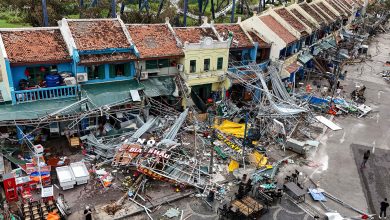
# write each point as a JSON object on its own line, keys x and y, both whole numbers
{"x": 244, "y": 187}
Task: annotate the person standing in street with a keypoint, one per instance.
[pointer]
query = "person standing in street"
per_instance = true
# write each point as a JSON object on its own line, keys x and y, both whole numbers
{"x": 365, "y": 158}
{"x": 88, "y": 213}
{"x": 384, "y": 206}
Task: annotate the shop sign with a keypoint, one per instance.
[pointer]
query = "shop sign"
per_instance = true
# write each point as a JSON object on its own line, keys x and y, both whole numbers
{"x": 229, "y": 143}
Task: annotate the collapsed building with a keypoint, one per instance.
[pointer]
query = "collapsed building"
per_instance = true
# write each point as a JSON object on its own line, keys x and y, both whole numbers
{"x": 177, "y": 104}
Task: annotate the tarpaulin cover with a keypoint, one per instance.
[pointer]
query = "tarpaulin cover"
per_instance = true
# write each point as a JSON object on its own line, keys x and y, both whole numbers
{"x": 232, "y": 128}
{"x": 317, "y": 195}
{"x": 259, "y": 159}
{"x": 233, "y": 165}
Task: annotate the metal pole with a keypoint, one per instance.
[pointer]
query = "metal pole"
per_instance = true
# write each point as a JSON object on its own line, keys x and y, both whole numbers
{"x": 45, "y": 16}
{"x": 233, "y": 9}
{"x": 113, "y": 8}
{"x": 185, "y": 13}
{"x": 245, "y": 136}
{"x": 212, "y": 152}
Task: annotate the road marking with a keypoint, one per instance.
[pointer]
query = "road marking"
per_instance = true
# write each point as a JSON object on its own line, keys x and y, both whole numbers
{"x": 379, "y": 95}
{"x": 373, "y": 147}
{"x": 342, "y": 139}
{"x": 377, "y": 118}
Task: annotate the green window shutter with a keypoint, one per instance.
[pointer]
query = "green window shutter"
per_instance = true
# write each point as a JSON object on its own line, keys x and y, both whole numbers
{"x": 151, "y": 64}
{"x": 101, "y": 72}
{"x": 163, "y": 63}
{"x": 220, "y": 63}
{"x": 112, "y": 71}
{"x": 127, "y": 69}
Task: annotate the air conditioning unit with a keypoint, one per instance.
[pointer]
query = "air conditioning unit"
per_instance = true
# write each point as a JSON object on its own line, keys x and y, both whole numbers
{"x": 221, "y": 78}
{"x": 70, "y": 81}
{"x": 82, "y": 77}
{"x": 144, "y": 76}
{"x": 180, "y": 67}
{"x": 38, "y": 149}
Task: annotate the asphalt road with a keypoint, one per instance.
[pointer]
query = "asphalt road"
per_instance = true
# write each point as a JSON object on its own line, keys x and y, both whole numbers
{"x": 339, "y": 174}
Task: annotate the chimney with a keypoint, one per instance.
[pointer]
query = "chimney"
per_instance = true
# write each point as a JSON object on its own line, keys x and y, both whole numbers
{"x": 254, "y": 13}
{"x": 239, "y": 20}
{"x": 212, "y": 22}
{"x": 166, "y": 20}
{"x": 204, "y": 19}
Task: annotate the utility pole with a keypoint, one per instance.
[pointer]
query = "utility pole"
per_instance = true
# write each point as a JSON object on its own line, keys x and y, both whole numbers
{"x": 185, "y": 13}
{"x": 233, "y": 10}
{"x": 113, "y": 8}
{"x": 45, "y": 16}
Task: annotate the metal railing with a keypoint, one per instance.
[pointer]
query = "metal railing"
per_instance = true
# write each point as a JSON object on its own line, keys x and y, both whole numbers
{"x": 58, "y": 92}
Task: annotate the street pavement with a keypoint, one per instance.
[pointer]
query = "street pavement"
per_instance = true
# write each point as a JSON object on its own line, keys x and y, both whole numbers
{"x": 338, "y": 174}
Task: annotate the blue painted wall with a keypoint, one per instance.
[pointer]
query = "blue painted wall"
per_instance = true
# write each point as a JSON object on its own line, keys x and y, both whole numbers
{"x": 18, "y": 72}
{"x": 107, "y": 78}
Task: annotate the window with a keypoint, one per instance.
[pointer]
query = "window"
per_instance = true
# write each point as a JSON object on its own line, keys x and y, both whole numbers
{"x": 219, "y": 63}
{"x": 192, "y": 66}
{"x": 96, "y": 72}
{"x": 36, "y": 75}
{"x": 206, "y": 64}
{"x": 155, "y": 64}
{"x": 119, "y": 70}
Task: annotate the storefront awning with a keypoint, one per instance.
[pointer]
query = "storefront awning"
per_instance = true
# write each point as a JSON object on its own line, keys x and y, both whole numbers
{"x": 110, "y": 93}
{"x": 290, "y": 69}
{"x": 159, "y": 86}
{"x": 305, "y": 58}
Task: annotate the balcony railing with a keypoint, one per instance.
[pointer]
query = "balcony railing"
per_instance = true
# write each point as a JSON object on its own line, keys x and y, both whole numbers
{"x": 58, "y": 92}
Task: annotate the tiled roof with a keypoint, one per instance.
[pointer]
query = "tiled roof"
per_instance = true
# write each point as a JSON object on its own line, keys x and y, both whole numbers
{"x": 278, "y": 29}
{"x": 91, "y": 59}
{"x": 292, "y": 67}
{"x": 98, "y": 34}
{"x": 262, "y": 43}
{"x": 327, "y": 10}
{"x": 35, "y": 46}
{"x": 303, "y": 19}
{"x": 195, "y": 34}
{"x": 282, "y": 12}
{"x": 343, "y": 6}
{"x": 154, "y": 40}
{"x": 349, "y": 5}
{"x": 238, "y": 34}
{"x": 323, "y": 14}
{"x": 337, "y": 7}
{"x": 312, "y": 13}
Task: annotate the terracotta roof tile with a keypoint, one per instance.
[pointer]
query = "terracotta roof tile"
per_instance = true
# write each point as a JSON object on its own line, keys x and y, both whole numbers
{"x": 346, "y": 3}
{"x": 262, "y": 43}
{"x": 292, "y": 67}
{"x": 303, "y": 19}
{"x": 322, "y": 13}
{"x": 194, "y": 34}
{"x": 276, "y": 27}
{"x": 98, "y": 34}
{"x": 286, "y": 15}
{"x": 337, "y": 7}
{"x": 238, "y": 34}
{"x": 342, "y": 6}
{"x": 35, "y": 46}
{"x": 327, "y": 10}
{"x": 154, "y": 40}
{"x": 312, "y": 13}
{"x": 90, "y": 59}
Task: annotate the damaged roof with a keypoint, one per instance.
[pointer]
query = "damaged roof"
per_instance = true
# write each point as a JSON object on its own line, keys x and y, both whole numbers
{"x": 92, "y": 59}
{"x": 98, "y": 34}
{"x": 303, "y": 19}
{"x": 239, "y": 35}
{"x": 313, "y": 13}
{"x": 318, "y": 9}
{"x": 256, "y": 38}
{"x": 154, "y": 40}
{"x": 278, "y": 29}
{"x": 327, "y": 10}
{"x": 35, "y": 46}
{"x": 344, "y": 7}
{"x": 337, "y": 7}
{"x": 194, "y": 34}
{"x": 295, "y": 23}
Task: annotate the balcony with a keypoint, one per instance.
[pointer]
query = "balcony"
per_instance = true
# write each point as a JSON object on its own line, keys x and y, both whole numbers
{"x": 58, "y": 92}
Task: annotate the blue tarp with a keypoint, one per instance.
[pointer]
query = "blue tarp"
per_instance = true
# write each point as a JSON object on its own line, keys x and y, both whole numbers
{"x": 315, "y": 100}
{"x": 316, "y": 195}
